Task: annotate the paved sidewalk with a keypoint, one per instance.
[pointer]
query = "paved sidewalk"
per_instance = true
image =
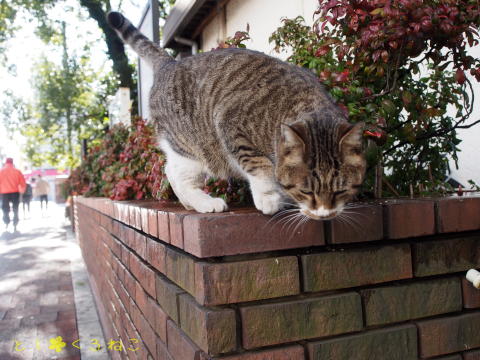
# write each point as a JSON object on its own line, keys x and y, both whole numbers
{"x": 37, "y": 300}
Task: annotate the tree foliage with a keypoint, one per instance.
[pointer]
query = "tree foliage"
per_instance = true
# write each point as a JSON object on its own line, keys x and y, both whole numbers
{"x": 67, "y": 109}
{"x": 399, "y": 66}
{"x": 71, "y": 96}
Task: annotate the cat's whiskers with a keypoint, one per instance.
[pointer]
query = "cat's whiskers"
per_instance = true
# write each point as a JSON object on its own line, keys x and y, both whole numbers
{"x": 279, "y": 216}
{"x": 356, "y": 213}
{"x": 291, "y": 219}
{"x": 297, "y": 218}
{"x": 301, "y": 222}
{"x": 359, "y": 205}
{"x": 352, "y": 222}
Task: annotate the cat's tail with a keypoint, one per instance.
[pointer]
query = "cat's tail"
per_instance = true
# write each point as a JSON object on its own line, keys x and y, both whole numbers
{"x": 143, "y": 46}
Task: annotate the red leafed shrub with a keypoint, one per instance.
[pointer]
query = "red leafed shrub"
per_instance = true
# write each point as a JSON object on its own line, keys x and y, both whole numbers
{"x": 127, "y": 165}
{"x": 236, "y": 41}
{"x": 396, "y": 65}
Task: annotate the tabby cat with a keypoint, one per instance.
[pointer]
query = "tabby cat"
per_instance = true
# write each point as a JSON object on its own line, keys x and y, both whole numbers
{"x": 241, "y": 113}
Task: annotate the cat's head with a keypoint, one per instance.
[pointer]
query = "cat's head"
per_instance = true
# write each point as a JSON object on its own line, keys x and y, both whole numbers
{"x": 320, "y": 164}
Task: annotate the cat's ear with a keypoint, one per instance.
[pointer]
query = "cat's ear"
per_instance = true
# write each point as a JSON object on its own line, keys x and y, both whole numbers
{"x": 293, "y": 135}
{"x": 350, "y": 135}
{"x": 351, "y": 144}
{"x": 292, "y": 145}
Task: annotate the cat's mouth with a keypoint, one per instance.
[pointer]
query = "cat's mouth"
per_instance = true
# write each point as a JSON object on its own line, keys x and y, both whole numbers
{"x": 311, "y": 215}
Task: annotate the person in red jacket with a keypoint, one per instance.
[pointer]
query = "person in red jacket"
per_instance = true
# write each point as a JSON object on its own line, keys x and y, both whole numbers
{"x": 12, "y": 183}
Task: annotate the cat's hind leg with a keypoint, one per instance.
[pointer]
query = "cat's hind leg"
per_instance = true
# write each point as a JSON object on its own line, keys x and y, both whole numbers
{"x": 187, "y": 178}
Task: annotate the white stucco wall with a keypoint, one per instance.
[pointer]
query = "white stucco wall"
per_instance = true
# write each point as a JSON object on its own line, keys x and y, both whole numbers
{"x": 264, "y": 17}
{"x": 469, "y": 157}
{"x": 145, "y": 71}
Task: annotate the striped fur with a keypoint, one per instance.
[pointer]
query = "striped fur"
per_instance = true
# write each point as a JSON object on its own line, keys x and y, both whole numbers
{"x": 146, "y": 49}
{"x": 241, "y": 113}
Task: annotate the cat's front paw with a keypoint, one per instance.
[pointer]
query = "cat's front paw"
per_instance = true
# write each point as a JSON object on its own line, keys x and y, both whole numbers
{"x": 268, "y": 203}
{"x": 208, "y": 205}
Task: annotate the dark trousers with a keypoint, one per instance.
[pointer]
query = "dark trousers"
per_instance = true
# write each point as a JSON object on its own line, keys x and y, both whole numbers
{"x": 26, "y": 202}
{"x": 42, "y": 199}
{"x": 13, "y": 198}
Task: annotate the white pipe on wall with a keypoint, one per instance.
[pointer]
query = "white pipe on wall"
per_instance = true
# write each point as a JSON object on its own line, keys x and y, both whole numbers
{"x": 188, "y": 42}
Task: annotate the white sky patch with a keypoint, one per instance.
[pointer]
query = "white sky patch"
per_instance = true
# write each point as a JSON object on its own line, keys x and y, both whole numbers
{"x": 24, "y": 49}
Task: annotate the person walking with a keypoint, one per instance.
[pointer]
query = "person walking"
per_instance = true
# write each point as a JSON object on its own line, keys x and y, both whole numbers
{"x": 41, "y": 189}
{"x": 27, "y": 197}
{"x": 12, "y": 183}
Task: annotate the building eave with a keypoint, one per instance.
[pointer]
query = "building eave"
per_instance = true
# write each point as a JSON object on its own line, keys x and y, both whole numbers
{"x": 184, "y": 19}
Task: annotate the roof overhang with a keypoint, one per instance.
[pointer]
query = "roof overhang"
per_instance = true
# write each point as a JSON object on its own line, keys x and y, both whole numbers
{"x": 185, "y": 19}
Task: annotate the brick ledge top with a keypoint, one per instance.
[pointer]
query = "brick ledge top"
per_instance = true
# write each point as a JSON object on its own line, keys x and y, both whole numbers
{"x": 245, "y": 230}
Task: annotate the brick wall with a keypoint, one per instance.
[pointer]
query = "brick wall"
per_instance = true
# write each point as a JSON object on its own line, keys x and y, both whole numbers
{"x": 386, "y": 284}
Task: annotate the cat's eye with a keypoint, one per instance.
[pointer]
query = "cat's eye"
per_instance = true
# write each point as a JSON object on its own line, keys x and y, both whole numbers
{"x": 340, "y": 192}
{"x": 287, "y": 186}
{"x": 306, "y": 192}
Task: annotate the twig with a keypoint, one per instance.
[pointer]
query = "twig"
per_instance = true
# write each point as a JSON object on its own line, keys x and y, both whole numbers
{"x": 390, "y": 186}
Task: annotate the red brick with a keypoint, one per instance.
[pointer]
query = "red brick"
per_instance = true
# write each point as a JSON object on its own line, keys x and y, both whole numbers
{"x": 447, "y": 335}
{"x": 131, "y": 214}
{"x": 175, "y": 221}
{"x": 156, "y": 252}
{"x": 124, "y": 296}
{"x": 244, "y": 231}
{"x": 116, "y": 247}
{"x": 141, "y": 299}
{"x": 293, "y": 352}
{"x": 446, "y": 256}
{"x": 212, "y": 329}
{"x": 234, "y": 282}
{"x": 409, "y": 218}
{"x": 155, "y": 218}
{"x": 180, "y": 268}
{"x": 400, "y": 302}
{"x": 362, "y": 223}
{"x": 471, "y": 295}
{"x": 130, "y": 284}
{"x": 167, "y": 296}
{"x": 121, "y": 272}
{"x": 450, "y": 357}
{"x": 162, "y": 351}
{"x": 148, "y": 282}
{"x": 136, "y": 267}
{"x": 146, "y": 332}
{"x": 138, "y": 217}
{"x": 144, "y": 218}
{"x": 356, "y": 267}
{"x": 123, "y": 212}
{"x": 108, "y": 208}
{"x": 140, "y": 245}
{"x": 158, "y": 319}
{"x": 125, "y": 255}
{"x": 116, "y": 228}
{"x": 471, "y": 355}
{"x": 458, "y": 214}
{"x": 276, "y": 323}
{"x": 179, "y": 345}
{"x": 128, "y": 237}
{"x": 388, "y": 343}
{"x": 163, "y": 224}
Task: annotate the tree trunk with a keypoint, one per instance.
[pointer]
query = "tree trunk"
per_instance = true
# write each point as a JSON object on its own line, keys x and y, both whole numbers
{"x": 378, "y": 180}
{"x": 116, "y": 49}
